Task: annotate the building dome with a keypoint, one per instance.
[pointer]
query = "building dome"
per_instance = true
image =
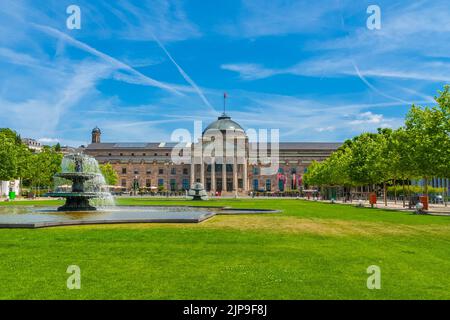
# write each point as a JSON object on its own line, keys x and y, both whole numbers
{"x": 224, "y": 123}
{"x": 96, "y": 130}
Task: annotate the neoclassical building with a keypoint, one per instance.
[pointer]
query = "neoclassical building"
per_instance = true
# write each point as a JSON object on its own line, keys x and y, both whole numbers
{"x": 225, "y": 160}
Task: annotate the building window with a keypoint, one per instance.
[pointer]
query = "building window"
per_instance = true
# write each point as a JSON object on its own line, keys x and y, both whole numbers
{"x": 255, "y": 171}
{"x": 268, "y": 185}
{"x": 160, "y": 182}
{"x": 109, "y": 154}
{"x": 148, "y": 183}
{"x": 255, "y": 184}
{"x": 155, "y": 154}
{"x": 136, "y": 171}
{"x": 281, "y": 185}
{"x": 160, "y": 171}
{"x": 293, "y": 170}
{"x": 143, "y": 154}
{"x": 124, "y": 170}
{"x": 132, "y": 154}
{"x": 121, "y": 154}
{"x": 167, "y": 154}
{"x": 124, "y": 183}
{"x": 173, "y": 184}
{"x": 185, "y": 184}
{"x": 173, "y": 170}
{"x": 240, "y": 183}
{"x": 185, "y": 171}
{"x": 149, "y": 172}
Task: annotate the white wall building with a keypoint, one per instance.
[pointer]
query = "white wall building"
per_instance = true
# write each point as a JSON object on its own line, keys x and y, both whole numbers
{"x": 7, "y": 186}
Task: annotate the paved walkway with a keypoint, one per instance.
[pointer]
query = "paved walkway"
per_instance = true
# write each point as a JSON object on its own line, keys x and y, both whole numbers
{"x": 434, "y": 209}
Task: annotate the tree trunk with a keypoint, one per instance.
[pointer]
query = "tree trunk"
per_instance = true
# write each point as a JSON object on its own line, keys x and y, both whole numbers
{"x": 446, "y": 191}
{"x": 426, "y": 186}
{"x": 404, "y": 195}
{"x": 409, "y": 193}
{"x": 385, "y": 194}
{"x": 395, "y": 192}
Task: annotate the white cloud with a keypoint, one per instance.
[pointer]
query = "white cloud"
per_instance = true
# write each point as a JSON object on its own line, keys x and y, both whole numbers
{"x": 112, "y": 61}
{"x": 324, "y": 129}
{"x": 368, "y": 118}
{"x": 164, "y": 19}
{"x": 185, "y": 75}
{"x": 49, "y": 141}
{"x": 281, "y": 17}
{"x": 250, "y": 71}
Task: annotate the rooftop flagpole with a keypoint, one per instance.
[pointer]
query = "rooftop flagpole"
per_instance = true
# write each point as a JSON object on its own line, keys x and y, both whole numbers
{"x": 224, "y": 101}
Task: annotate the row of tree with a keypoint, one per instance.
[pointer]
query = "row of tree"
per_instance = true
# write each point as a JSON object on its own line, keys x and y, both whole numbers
{"x": 35, "y": 169}
{"x": 420, "y": 149}
{"x": 17, "y": 161}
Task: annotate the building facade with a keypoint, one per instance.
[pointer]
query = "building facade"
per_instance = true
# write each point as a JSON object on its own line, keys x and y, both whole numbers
{"x": 223, "y": 160}
{"x": 32, "y": 144}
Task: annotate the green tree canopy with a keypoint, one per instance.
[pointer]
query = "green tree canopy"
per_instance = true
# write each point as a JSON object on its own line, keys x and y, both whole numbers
{"x": 110, "y": 175}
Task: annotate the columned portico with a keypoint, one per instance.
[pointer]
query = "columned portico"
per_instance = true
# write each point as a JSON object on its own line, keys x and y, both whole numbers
{"x": 224, "y": 143}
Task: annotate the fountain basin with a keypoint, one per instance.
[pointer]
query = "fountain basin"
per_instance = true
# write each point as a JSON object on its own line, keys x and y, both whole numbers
{"x": 87, "y": 182}
{"x": 31, "y": 217}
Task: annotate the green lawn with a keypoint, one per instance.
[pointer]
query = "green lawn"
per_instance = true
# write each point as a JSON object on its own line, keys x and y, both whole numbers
{"x": 310, "y": 251}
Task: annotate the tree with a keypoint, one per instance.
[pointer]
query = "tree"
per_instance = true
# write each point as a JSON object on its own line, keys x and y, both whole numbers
{"x": 428, "y": 141}
{"x": 419, "y": 149}
{"x": 110, "y": 175}
{"x": 13, "y": 155}
{"x": 365, "y": 165}
{"x": 8, "y": 157}
{"x": 43, "y": 166}
{"x": 57, "y": 147}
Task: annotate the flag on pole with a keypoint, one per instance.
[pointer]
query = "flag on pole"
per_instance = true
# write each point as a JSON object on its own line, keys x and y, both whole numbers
{"x": 224, "y": 98}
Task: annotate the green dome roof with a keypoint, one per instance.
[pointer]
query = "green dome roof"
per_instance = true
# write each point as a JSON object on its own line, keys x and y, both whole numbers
{"x": 224, "y": 123}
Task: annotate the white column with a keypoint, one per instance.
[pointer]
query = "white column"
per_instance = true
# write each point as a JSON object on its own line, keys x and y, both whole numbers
{"x": 202, "y": 173}
{"x": 244, "y": 175}
{"x": 235, "y": 180}
{"x": 192, "y": 171}
{"x": 213, "y": 175}
{"x": 224, "y": 176}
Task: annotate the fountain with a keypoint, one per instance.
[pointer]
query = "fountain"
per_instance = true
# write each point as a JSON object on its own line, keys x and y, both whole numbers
{"x": 197, "y": 192}
{"x": 87, "y": 182}
{"x": 82, "y": 184}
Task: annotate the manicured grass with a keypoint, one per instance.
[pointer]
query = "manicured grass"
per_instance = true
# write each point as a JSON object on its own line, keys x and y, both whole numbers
{"x": 311, "y": 250}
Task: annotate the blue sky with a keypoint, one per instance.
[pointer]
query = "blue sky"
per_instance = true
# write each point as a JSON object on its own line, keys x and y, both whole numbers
{"x": 139, "y": 70}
